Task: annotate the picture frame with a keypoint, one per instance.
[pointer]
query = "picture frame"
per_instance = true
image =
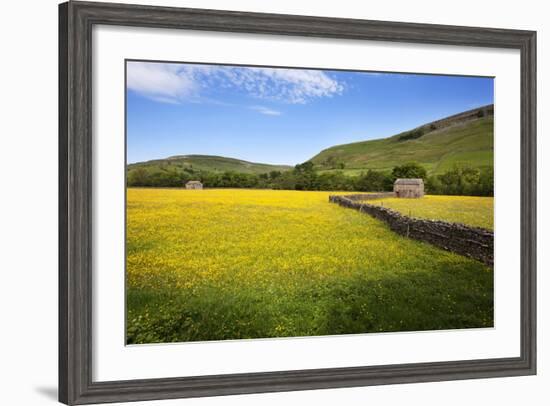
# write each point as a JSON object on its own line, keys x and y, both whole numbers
{"x": 76, "y": 20}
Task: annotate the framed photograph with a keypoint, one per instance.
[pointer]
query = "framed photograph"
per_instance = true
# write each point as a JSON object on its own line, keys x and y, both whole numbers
{"x": 257, "y": 202}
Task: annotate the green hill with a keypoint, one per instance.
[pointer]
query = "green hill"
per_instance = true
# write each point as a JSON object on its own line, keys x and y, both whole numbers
{"x": 208, "y": 163}
{"x": 464, "y": 139}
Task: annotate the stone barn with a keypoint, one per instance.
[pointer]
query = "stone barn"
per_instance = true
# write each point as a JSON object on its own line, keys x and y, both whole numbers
{"x": 193, "y": 184}
{"x": 409, "y": 188}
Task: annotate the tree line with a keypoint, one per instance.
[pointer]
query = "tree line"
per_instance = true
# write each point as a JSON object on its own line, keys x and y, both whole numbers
{"x": 456, "y": 181}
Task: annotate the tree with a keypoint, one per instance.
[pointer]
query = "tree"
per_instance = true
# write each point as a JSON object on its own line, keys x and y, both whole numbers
{"x": 373, "y": 181}
{"x": 305, "y": 167}
{"x": 409, "y": 170}
{"x": 486, "y": 182}
{"x": 462, "y": 181}
{"x": 138, "y": 177}
{"x": 305, "y": 176}
{"x": 412, "y": 135}
{"x": 433, "y": 185}
{"x": 286, "y": 181}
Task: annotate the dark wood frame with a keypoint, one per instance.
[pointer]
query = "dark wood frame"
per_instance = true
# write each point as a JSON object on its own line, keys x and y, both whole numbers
{"x": 76, "y": 20}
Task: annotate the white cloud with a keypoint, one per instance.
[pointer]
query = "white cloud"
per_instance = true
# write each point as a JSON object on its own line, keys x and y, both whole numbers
{"x": 266, "y": 110}
{"x": 181, "y": 82}
{"x": 158, "y": 81}
{"x": 284, "y": 85}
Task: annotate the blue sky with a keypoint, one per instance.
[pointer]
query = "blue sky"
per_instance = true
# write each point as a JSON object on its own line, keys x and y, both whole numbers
{"x": 280, "y": 116}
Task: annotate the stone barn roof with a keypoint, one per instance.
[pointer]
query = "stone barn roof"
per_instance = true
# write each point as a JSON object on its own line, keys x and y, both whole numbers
{"x": 412, "y": 181}
{"x": 194, "y": 182}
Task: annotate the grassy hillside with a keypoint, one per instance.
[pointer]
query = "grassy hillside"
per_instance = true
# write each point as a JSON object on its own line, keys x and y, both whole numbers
{"x": 465, "y": 139}
{"x": 209, "y": 163}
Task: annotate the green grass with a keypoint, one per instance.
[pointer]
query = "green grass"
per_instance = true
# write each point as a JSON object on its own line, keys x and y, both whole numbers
{"x": 234, "y": 264}
{"x": 209, "y": 163}
{"x": 464, "y": 144}
{"x": 471, "y": 210}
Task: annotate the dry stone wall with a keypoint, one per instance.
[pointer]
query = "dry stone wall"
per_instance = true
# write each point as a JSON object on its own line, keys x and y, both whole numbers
{"x": 473, "y": 242}
{"x": 369, "y": 196}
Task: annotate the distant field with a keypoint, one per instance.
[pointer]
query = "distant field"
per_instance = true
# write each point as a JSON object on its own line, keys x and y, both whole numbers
{"x": 470, "y": 210}
{"x": 209, "y": 163}
{"x": 229, "y": 264}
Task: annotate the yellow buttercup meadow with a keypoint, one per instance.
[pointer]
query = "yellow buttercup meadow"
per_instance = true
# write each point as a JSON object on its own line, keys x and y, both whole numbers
{"x": 241, "y": 263}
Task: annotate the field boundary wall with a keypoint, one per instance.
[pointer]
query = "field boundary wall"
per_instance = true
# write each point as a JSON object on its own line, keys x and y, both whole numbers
{"x": 472, "y": 242}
